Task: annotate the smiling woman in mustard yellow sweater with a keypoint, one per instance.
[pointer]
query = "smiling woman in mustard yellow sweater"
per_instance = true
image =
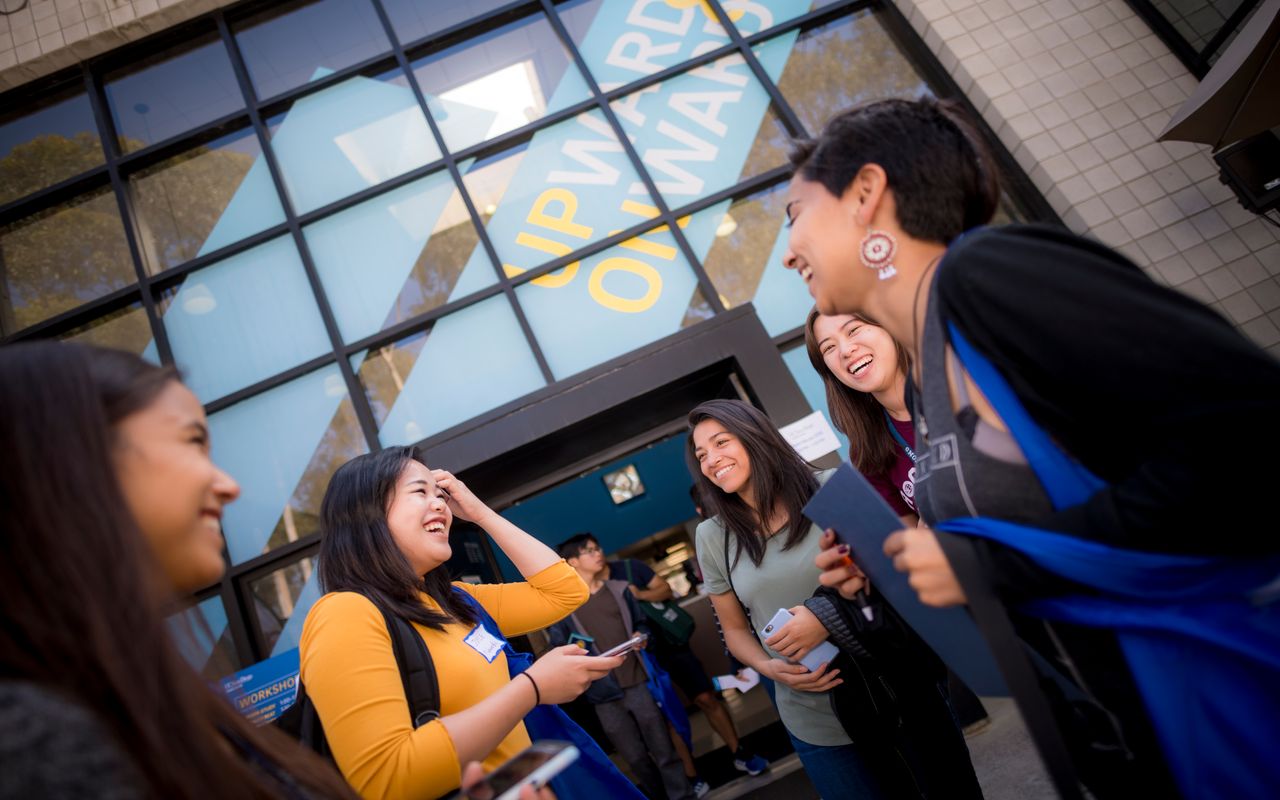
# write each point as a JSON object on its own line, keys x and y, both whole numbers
{"x": 385, "y": 521}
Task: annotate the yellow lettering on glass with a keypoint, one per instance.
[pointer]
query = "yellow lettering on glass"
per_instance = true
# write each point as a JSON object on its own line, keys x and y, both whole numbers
{"x": 564, "y": 222}
{"x": 642, "y": 245}
{"x": 681, "y": 5}
{"x": 550, "y": 280}
{"x": 624, "y": 304}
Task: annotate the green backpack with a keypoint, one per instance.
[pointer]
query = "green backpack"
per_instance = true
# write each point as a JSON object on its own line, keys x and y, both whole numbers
{"x": 669, "y": 620}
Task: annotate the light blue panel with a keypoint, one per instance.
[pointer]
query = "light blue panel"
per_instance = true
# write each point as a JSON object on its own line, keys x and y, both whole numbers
{"x": 366, "y": 254}
{"x": 473, "y": 360}
{"x": 196, "y": 631}
{"x": 291, "y": 634}
{"x": 797, "y": 360}
{"x": 244, "y": 319}
{"x": 255, "y": 206}
{"x": 266, "y": 443}
{"x": 782, "y": 300}
{"x": 349, "y": 137}
{"x": 584, "y": 504}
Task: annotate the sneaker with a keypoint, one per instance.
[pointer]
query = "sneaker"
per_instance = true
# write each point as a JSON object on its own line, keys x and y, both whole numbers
{"x": 752, "y": 765}
{"x": 700, "y": 787}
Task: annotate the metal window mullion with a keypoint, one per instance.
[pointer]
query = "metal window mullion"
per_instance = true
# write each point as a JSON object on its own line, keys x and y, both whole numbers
{"x": 790, "y": 120}
{"x": 452, "y": 165}
{"x": 709, "y": 292}
{"x": 359, "y": 400}
{"x": 110, "y": 146}
{"x": 1229, "y": 27}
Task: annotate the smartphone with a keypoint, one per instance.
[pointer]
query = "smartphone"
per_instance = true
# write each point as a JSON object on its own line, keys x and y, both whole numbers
{"x": 816, "y": 657}
{"x": 626, "y": 647}
{"x": 538, "y": 764}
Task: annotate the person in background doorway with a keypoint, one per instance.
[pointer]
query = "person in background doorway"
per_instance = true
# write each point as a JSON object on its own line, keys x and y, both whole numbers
{"x": 676, "y": 657}
{"x": 627, "y": 710}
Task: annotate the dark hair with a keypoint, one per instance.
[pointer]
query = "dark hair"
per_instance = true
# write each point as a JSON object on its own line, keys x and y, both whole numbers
{"x": 572, "y": 547}
{"x": 82, "y": 599}
{"x": 358, "y": 553}
{"x": 857, "y": 415}
{"x": 941, "y": 172}
{"x": 779, "y": 478}
{"x": 699, "y": 505}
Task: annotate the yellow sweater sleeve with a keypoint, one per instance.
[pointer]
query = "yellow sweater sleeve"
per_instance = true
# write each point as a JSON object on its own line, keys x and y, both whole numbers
{"x": 350, "y": 673}
{"x": 544, "y": 599}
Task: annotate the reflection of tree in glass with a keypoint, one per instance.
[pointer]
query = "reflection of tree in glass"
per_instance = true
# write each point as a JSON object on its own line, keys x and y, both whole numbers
{"x": 385, "y": 370}
{"x": 126, "y": 329}
{"x": 843, "y": 63}
{"x": 435, "y": 272}
{"x": 699, "y": 310}
{"x": 737, "y": 261}
{"x": 342, "y": 441}
{"x": 769, "y": 149}
{"x": 46, "y": 160}
{"x": 279, "y": 590}
{"x": 178, "y": 202}
{"x": 62, "y": 257}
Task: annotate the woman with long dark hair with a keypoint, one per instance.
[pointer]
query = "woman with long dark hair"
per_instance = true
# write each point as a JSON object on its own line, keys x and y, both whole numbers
{"x": 1077, "y": 422}
{"x": 865, "y": 373}
{"x": 873, "y": 726}
{"x": 385, "y": 523}
{"x": 110, "y": 509}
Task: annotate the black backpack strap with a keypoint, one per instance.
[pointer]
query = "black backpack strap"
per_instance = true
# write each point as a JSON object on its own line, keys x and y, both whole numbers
{"x": 417, "y": 670}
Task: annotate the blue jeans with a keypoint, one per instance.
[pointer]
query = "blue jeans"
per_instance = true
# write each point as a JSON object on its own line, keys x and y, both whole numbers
{"x": 837, "y": 772}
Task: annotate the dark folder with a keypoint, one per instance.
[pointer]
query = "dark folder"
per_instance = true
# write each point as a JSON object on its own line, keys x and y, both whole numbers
{"x": 853, "y": 508}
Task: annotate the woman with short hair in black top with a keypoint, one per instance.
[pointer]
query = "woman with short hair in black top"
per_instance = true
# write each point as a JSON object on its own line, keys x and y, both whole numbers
{"x": 1139, "y": 384}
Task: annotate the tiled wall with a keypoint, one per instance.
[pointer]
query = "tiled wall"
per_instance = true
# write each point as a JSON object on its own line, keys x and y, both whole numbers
{"x": 1078, "y": 90}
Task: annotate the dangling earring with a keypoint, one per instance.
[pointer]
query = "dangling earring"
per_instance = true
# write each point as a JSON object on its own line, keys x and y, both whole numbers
{"x": 877, "y": 251}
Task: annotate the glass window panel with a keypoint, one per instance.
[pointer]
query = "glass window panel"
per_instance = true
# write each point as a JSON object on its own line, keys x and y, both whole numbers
{"x": 204, "y": 638}
{"x": 467, "y": 363}
{"x": 204, "y": 199}
{"x": 172, "y": 93}
{"x": 398, "y": 255}
{"x": 350, "y": 137}
{"x": 499, "y": 81}
{"x": 125, "y": 329}
{"x": 704, "y": 130}
{"x": 287, "y": 47}
{"x": 623, "y": 40}
{"x": 243, "y": 319}
{"x": 283, "y": 446}
{"x": 570, "y": 185}
{"x": 62, "y": 257}
{"x": 745, "y": 259}
{"x": 616, "y": 301}
{"x": 281, "y": 600}
{"x": 414, "y": 19}
{"x": 841, "y": 64}
{"x": 47, "y": 142}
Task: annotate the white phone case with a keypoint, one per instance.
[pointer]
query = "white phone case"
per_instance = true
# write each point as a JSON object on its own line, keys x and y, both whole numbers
{"x": 815, "y": 657}
{"x": 543, "y": 774}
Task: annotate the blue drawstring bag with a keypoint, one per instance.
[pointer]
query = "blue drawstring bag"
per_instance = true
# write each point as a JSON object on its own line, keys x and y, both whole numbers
{"x": 1201, "y": 635}
{"x": 664, "y": 694}
{"x": 593, "y": 776}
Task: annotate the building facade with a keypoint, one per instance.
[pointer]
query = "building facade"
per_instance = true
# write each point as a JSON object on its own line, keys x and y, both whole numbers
{"x": 526, "y": 236}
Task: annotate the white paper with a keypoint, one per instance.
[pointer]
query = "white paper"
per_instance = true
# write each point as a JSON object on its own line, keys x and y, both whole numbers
{"x": 811, "y": 436}
{"x": 748, "y": 680}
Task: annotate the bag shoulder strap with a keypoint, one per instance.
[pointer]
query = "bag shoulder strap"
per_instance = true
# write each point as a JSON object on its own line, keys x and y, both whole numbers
{"x": 417, "y": 670}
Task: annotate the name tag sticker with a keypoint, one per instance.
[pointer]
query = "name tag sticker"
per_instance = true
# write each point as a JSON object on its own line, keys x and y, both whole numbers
{"x": 484, "y": 643}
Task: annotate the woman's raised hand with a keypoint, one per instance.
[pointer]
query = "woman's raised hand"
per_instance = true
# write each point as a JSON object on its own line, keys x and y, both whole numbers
{"x": 462, "y": 502}
{"x": 565, "y": 672}
{"x": 798, "y": 676}
{"x": 838, "y": 570}
{"x": 802, "y": 633}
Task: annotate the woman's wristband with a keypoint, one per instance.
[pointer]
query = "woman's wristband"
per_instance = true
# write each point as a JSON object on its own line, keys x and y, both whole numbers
{"x": 537, "y": 695}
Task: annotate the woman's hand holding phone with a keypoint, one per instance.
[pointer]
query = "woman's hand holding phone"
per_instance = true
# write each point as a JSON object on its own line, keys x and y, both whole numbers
{"x": 799, "y": 635}
{"x": 473, "y": 776}
{"x": 565, "y": 672}
{"x": 798, "y": 676}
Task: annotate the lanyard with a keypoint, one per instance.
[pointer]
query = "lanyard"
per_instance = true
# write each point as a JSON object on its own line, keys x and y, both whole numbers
{"x": 897, "y": 437}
